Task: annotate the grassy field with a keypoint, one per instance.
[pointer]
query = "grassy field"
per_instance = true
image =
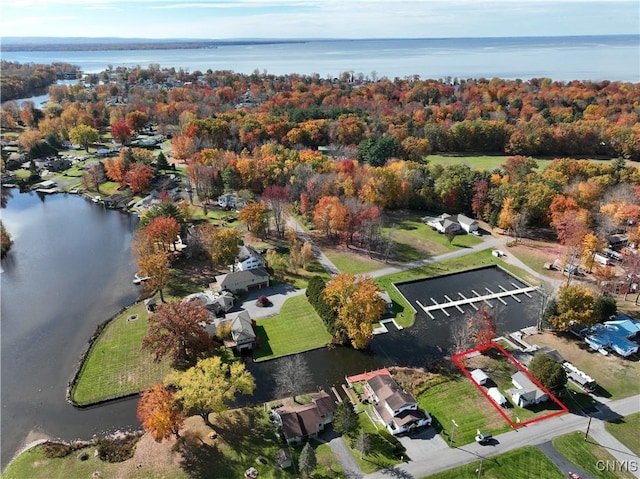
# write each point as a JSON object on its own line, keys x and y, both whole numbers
{"x": 626, "y": 430}
{"x": 116, "y": 365}
{"x": 616, "y": 377}
{"x": 484, "y": 162}
{"x": 525, "y": 463}
{"x": 471, "y": 412}
{"x": 243, "y": 436}
{"x": 348, "y": 262}
{"x": 586, "y": 454}
{"x": 296, "y": 329}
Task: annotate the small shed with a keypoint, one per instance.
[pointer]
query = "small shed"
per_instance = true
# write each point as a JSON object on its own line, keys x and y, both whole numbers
{"x": 496, "y": 395}
{"x": 479, "y": 376}
{"x": 150, "y": 305}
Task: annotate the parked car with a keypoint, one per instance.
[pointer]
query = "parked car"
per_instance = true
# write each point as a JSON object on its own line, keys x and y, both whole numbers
{"x": 484, "y": 438}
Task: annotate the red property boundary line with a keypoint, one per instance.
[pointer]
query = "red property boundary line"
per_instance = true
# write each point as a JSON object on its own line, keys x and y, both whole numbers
{"x": 457, "y": 359}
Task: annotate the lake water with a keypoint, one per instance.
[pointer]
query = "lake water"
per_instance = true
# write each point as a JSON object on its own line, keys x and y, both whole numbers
{"x": 71, "y": 268}
{"x": 613, "y": 57}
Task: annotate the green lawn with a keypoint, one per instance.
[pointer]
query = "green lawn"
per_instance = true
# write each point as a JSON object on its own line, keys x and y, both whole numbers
{"x": 116, "y": 365}
{"x": 586, "y": 454}
{"x": 472, "y": 411}
{"x": 386, "y": 450}
{"x": 295, "y": 329}
{"x": 483, "y": 162}
{"x": 526, "y": 463}
{"x": 352, "y": 263}
{"x": 626, "y": 430}
{"x": 414, "y": 240}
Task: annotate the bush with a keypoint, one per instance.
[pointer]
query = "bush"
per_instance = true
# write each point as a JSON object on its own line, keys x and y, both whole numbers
{"x": 56, "y": 449}
{"x": 117, "y": 449}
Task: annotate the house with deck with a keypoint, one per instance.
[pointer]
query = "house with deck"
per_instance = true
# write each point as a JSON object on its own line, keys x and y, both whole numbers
{"x": 300, "y": 423}
{"x": 242, "y": 336}
{"x": 395, "y": 408}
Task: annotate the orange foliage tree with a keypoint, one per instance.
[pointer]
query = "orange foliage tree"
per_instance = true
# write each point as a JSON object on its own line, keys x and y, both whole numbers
{"x": 159, "y": 413}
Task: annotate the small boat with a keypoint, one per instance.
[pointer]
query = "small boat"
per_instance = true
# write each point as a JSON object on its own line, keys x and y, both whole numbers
{"x": 139, "y": 279}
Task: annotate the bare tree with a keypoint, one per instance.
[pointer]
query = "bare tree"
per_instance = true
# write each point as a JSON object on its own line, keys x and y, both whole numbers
{"x": 293, "y": 376}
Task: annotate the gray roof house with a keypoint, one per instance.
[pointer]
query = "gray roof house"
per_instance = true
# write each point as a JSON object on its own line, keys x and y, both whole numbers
{"x": 248, "y": 258}
{"x": 242, "y": 336}
{"x": 526, "y": 392}
{"x": 395, "y": 408}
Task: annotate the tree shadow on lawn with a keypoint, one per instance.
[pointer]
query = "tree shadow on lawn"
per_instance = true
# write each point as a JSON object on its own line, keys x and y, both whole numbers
{"x": 199, "y": 459}
{"x": 245, "y": 431}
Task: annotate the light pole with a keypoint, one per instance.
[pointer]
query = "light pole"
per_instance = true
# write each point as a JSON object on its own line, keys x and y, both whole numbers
{"x": 479, "y": 470}
{"x": 453, "y": 429}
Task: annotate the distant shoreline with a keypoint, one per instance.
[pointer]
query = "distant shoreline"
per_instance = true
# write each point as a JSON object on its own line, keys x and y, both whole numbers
{"x": 50, "y": 44}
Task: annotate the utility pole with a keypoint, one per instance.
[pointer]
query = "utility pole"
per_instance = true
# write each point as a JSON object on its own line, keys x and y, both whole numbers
{"x": 453, "y": 429}
{"x": 479, "y": 470}
{"x": 586, "y": 434}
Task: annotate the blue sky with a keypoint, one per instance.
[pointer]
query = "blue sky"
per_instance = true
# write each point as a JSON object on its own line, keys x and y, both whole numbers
{"x": 228, "y": 19}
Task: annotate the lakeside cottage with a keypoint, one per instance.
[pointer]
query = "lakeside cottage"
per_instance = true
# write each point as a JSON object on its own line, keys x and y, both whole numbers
{"x": 526, "y": 392}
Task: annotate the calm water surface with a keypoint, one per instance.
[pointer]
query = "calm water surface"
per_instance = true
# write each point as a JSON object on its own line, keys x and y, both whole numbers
{"x": 71, "y": 269}
{"x": 613, "y": 57}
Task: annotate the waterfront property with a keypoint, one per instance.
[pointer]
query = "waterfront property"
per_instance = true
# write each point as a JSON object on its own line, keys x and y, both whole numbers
{"x": 241, "y": 336}
{"x": 446, "y": 223}
{"x": 394, "y": 407}
{"x": 306, "y": 421}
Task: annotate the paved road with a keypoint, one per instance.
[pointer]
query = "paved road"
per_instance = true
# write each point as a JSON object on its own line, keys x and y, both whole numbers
{"x": 561, "y": 462}
{"x": 342, "y": 453}
{"x": 326, "y": 263}
{"x": 534, "y": 434}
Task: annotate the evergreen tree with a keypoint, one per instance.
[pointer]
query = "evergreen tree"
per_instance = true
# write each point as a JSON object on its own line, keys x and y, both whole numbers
{"x": 308, "y": 461}
{"x": 345, "y": 419}
{"x": 363, "y": 444}
{"x": 161, "y": 162}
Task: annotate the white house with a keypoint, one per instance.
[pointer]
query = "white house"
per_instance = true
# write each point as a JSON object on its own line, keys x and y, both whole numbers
{"x": 248, "y": 258}
{"x": 526, "y": 392}
{"x": 446, "y": 223}
{"x": 395, "y": 408}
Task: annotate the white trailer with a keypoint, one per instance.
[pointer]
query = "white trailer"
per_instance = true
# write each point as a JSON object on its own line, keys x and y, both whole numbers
{"x": 496, "y": 395}
{"x": 598, "y": 258}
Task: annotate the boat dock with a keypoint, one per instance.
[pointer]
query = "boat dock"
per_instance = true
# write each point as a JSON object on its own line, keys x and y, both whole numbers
{"x": 456, "y": 303}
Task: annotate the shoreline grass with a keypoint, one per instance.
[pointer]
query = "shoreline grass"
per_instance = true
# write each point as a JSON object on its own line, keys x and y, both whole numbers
{"x": 116, "y": 366}
{"x": 296, "y": 329}
{"x": 626, "y": 430}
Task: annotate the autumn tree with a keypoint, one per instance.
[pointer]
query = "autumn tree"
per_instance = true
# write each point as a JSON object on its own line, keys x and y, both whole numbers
{"x": 121, "y": 132}
{"x": 163, "y": 230}
{"x": 484, "y": 327}
{"x": 159, "y": 413}
{"x": 116, "y": 169}
{"x": 574, "y": 308}
{"x": 293, "y": 376}
{"x": 155, "y": 266}
{"x": 224, "y": 245}
{"x": 509, "y": 217}
{"x": 548, "y": 371}
{"x": 137, "y": 120}
{"x": 84, "y": 135}
{"x": 254, "y": 216}
{"x": 211, "y": 386}
{"x": 358, "y": 305}
{"x": 277, "y": 198}
{"x": 138, "y": 177}
{"x": 5, "y": 240}
{"x": 176, "y": 330}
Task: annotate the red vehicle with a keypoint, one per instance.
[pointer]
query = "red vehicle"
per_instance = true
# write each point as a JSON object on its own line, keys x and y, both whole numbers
{"x": 573, "y": 475}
